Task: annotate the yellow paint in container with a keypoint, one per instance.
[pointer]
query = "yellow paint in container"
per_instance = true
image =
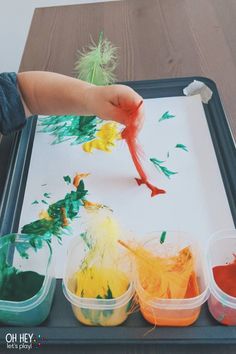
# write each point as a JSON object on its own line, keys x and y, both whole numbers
{"x": 97, "y": 280}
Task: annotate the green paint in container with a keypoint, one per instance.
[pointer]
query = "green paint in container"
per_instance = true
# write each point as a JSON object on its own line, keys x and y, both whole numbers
{"x": 27, "y": 282}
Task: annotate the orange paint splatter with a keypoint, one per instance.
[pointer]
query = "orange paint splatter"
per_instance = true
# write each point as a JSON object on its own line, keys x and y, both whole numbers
{"x": 64, "y": 219}
{"x": 78, "y": 177}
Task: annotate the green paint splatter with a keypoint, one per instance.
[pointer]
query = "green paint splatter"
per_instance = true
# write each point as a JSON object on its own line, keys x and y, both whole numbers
{"x": 35, "y": 202}
{"x": 86, "y": 313}
{"x": 67, "y": 179}
{"x": 107, "y": 313}
{"x": 163, "y": 237}
{"x": 77, "y": 129}
{"x": 163, "y": 169}
{"x": 108, "y": 295}
{"x": 165, "y": 116}
{"x": 181, "y": 146}
{"x": 128, "y": 307}
{"x": 87, "y": 238}
{"x": 47, "y": 195}
{"x": 168, "y": 154}
{"x": 44, "y": 201}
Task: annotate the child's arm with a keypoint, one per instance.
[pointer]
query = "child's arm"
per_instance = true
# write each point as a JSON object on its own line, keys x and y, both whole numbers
{"x": 49, "y": 93}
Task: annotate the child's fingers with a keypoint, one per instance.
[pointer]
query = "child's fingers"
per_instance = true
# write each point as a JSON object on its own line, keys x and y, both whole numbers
{"x": 120, "y": 115}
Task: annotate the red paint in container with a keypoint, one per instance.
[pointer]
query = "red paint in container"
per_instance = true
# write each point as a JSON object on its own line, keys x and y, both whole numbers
{"x": 222, "y": 277}
{"x": 225, "y": 278}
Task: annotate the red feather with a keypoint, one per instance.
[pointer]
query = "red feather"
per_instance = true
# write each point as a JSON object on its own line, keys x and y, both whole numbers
{"x": 130, "y": 136}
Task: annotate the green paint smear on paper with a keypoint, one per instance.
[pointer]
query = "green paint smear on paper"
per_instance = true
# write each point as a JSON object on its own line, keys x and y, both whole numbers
{"x": 47, "y": 195}
{"x": 160, "y": 167}
{"x": 166, "y": 116}
{"x": 181, "y": 146}
{"x": 67, "y": 179}
{"x": 44, "y": 201}
{"x": 35, "y": 202}
{"x": 20, "y": 286}
{"x": 163, "y": 237}
{"x": 70, "y": 204}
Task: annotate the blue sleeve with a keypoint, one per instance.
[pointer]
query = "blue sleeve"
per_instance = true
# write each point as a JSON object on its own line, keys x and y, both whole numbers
{"x": 12, "y": 114}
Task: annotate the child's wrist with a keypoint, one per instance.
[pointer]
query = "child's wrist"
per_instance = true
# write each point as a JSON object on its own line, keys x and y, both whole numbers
{"x": 92, "y": 99}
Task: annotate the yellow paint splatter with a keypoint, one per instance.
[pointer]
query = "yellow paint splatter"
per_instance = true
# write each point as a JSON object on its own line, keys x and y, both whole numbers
{"x": 105, "y": 140}
{"x": 44, "y": 215}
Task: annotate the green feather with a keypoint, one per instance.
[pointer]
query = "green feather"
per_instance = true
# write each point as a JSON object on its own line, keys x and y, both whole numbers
{"x": 98, "y": 64}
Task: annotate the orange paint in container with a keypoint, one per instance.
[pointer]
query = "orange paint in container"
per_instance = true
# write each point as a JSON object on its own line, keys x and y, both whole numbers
{"x": 222, "y": 277}
{"x": 170, "y": 280}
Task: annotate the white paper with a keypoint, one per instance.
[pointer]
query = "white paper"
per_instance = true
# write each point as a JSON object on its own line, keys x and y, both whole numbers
{"x": 195, "y": 200}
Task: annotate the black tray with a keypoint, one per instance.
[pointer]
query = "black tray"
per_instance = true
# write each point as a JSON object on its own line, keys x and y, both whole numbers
{"x": 61, "y": 327}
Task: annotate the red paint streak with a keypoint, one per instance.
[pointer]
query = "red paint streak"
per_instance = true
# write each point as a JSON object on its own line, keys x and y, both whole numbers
{"x": 192, "y": 289}
{"x": 130, "y": 134}
{"x": 225, "y": 278}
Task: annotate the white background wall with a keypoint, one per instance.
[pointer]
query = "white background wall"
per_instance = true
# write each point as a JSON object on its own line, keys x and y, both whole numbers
{"x": 15, "y": 19}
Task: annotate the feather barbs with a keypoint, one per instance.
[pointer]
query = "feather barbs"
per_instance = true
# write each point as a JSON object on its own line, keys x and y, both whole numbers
{"x": 97, "y": 64}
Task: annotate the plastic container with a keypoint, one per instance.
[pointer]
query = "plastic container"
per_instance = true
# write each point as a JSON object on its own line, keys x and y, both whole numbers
{"x": 221, "y": 247}
{"x": 93, "y": 311}
{"x": 34, "y": 310}
{"x": 174, "y": 312}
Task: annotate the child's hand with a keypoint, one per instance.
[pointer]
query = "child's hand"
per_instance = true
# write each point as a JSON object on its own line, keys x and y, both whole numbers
{"x": 48, "y": 93}
{"x": 116, "y": 102}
